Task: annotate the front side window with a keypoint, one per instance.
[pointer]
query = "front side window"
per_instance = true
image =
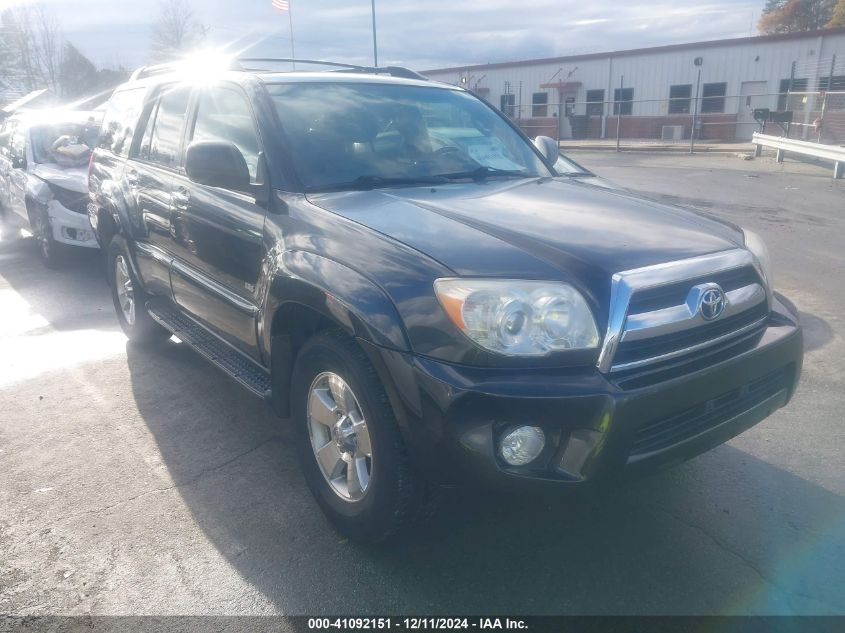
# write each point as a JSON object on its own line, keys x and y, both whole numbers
{"x": 224, "y": 115}
{"x": 119, "y": 122}
{"x": 340, "y": 134}
{"x": 166, "y": 136}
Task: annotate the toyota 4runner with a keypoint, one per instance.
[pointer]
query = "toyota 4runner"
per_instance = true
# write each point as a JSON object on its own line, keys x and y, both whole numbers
{"x": 396, "y": 268}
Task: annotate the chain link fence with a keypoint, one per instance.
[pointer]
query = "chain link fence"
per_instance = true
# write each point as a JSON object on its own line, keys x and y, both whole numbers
{"x": 726, "y": 119}
{"x": 809, "y": 105}
{"x": 815, "y": 97}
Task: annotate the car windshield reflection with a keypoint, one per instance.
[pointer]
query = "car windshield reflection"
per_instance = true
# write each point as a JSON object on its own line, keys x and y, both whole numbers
{"x": 391, "y": 135}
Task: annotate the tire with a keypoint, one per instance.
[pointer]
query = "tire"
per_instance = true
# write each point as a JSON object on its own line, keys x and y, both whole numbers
{"x": 51, "y": 252}
{"x": 393, "y": 495}
{"x": 129, "y": 297}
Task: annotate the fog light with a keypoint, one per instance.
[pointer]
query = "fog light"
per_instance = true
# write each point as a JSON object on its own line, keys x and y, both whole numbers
{"x": 522, "y": 444}
{"x": 77, "y": 235}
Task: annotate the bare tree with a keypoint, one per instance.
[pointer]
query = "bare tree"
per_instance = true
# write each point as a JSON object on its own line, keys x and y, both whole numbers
{"x": 30, "y": 47}
{"x": 176, "y": 30}
{"x": 50, "y": 44}
{"x": 17, "y": 55}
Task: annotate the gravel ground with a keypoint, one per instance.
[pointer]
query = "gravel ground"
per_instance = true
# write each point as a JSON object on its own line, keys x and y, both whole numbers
{"x": 136, "y": 481}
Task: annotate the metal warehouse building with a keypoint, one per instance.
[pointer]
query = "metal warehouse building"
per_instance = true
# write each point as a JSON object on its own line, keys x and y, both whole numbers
{"x": 667, "y": 91}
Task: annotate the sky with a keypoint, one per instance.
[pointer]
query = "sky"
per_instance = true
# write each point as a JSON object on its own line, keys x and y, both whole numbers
{"x": 421, "y": 34}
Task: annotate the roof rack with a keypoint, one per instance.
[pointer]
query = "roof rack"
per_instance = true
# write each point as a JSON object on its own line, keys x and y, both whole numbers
{"x": 291, "y": 60}
{"x": 148, "y": 71}
{"x": 169, "y": 67}
{"x": 393, "y": 71}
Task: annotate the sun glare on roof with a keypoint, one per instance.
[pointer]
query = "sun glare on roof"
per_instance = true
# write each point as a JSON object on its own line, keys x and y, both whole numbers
{"x": 204, "y": 64}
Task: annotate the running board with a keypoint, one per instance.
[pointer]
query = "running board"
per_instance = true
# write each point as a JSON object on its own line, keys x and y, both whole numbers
{"x": 244, "y": 370}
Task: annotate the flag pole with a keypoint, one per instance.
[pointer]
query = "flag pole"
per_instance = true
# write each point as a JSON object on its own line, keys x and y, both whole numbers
{"x": 290, "y": 21}
{"x": 375, "y": 45}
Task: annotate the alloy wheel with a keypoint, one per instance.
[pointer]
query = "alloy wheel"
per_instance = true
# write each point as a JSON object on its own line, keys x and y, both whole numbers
{"x": 125, "y": 290}
{"x": 339, "y": 437}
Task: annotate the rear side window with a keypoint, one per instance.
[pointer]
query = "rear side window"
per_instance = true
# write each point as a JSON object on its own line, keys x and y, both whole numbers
{"x": 120, "y": 119}
{"x": 17, "y": 148}
{"x": 224, "y": 115}
{"x": 166, "y": 137}
{"x": 6, "y": 137}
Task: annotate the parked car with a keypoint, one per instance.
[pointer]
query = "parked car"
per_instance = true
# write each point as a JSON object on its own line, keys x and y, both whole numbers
{"x": 428, "y": 308}
{"x": 44, "y": 157}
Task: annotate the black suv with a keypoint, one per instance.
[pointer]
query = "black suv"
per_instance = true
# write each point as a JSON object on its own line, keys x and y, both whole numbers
{"x": 395, "y": 267}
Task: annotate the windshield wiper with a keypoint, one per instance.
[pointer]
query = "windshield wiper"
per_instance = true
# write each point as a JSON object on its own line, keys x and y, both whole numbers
{"x": 484, "y": 172}
{"x": 372, "y": 181}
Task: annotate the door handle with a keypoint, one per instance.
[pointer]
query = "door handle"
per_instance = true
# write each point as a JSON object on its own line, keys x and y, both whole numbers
{"x": 180, "y": 198}
{"x": 132, "y": 178}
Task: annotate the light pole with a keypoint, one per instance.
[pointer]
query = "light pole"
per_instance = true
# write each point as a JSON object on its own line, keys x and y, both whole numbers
{"x": 698, "y": 61}
{"x": 375, "y": 44}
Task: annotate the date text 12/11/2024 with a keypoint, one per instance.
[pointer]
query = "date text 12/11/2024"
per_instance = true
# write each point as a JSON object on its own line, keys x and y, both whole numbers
{"x": 416, "y": 624}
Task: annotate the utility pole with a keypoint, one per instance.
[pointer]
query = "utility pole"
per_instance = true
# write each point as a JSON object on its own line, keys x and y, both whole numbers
{"x": 618, "y": 105}
{"x": 292, "y": 49}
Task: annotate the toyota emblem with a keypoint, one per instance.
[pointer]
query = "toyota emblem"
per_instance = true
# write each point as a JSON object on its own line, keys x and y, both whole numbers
{"x": 711, "y": 304}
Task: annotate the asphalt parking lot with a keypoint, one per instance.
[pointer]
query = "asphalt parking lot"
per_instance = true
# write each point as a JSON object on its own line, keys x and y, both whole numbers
{"x": 136, "y": 481}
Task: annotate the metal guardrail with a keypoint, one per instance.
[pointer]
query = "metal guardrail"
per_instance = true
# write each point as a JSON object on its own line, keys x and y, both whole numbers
{"x": 817, "y": 150}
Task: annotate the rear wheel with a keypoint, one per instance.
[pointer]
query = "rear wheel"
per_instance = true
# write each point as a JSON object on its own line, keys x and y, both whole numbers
{"x": 129, "y": 297}
{"x": 349, "y": 445}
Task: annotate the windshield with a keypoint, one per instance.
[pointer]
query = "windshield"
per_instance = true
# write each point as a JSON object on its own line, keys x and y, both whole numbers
{"x": 347, "y": 135}
{"x": 68, "y": 144}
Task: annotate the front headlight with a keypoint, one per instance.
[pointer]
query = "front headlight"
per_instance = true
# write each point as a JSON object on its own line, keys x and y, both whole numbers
{"x": 519, "y": 318}
{"x": 757, "y": 246}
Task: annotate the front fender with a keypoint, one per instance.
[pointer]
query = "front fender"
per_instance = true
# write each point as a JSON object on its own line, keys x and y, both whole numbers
{"x": 37, "y": 189}
{"x": 114, "y": 198}
{"x": 339, "y": 293}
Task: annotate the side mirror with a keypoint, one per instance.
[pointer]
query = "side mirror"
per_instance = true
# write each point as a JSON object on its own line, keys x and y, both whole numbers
{"x": 217, "y": 164}
{"x": 548, "y": 148}
{"x": 18, "y": 162}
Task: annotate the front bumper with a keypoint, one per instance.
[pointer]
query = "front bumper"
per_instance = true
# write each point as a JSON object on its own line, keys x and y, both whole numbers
{"x": 597, "y": 432}
{"x": 69, "y": 227}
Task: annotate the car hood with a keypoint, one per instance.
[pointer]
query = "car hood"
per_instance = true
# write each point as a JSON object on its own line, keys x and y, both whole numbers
{"x": 71, "y": 178}
{"x": 534, "y": 228}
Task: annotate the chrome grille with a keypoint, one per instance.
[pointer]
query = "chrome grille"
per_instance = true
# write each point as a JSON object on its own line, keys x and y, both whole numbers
{"x": 655, "y": 316}
{"x": 671, "y": 294}
{"x": 641, "y": 352}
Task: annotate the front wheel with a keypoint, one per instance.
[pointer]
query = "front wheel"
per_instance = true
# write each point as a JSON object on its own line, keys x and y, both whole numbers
{"x": 50, "y": 251}
{"x": 349, "y": 444}
{"x": 129, "y": 297}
